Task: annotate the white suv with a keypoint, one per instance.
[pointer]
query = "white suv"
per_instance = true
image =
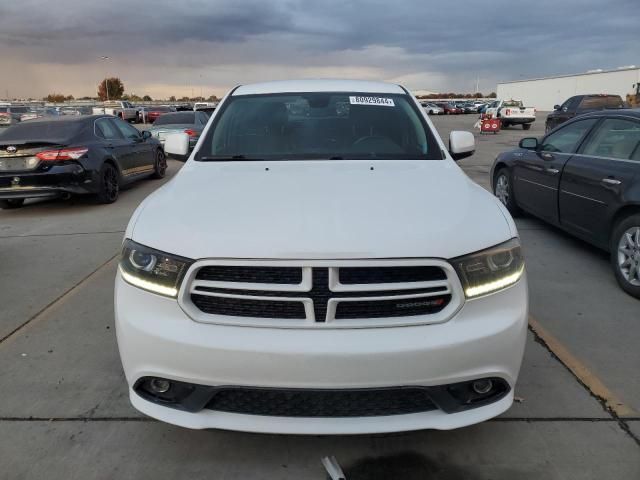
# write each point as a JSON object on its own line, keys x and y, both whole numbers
{"x": 321, "y": 265}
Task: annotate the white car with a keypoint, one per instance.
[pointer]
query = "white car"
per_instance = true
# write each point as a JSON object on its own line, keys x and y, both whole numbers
{"x": 321, "y": 265}
{"x": 433, "y": 109}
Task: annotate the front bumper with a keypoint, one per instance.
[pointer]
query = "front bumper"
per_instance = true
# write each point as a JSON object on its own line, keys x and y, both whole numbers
{"x": 517, "y": 121}
{"x": 58, "y": 180}
{"x": 484, "y": 339}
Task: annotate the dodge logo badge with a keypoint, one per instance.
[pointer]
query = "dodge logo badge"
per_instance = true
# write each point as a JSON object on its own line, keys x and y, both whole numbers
{"x": 12, "y": 149}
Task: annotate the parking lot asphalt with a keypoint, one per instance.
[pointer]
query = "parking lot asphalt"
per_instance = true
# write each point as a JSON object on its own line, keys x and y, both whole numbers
{"x": 65, "y": 411}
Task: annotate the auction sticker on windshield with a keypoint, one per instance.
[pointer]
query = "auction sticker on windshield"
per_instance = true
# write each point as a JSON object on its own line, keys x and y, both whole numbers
{"x": 385, "y": 102}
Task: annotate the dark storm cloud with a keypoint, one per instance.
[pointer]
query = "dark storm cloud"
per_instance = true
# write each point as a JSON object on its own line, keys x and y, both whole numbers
{"x": 432, "y": 44}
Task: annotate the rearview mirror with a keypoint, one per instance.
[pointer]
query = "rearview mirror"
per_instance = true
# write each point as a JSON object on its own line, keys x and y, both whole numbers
{"x": 529, "y": 143}
{"x": 177, "y": 145}
{"x": 146, "y": 134}
{"x": 461, "y": 144}
{"x": 556, "y": 107}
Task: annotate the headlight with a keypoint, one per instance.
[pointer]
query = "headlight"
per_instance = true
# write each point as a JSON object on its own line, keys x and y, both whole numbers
{"x": 490, "y": 270}
{"x": 152, "y": 270}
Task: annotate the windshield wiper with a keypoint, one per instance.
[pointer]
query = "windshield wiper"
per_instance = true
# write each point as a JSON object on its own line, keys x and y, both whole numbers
{"x": 228, "y": 158}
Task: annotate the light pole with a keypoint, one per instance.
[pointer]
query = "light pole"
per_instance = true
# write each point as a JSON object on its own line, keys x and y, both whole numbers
{"x": 106, "y": 79}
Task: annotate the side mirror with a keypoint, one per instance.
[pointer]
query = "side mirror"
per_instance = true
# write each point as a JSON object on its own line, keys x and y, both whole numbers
{"x": 556, "y": 107}
{"x": 177, "y": 144}
{"x": 529, "y": 143}
{"x": 146, "y": 134}
{"x": 461, "y": 144}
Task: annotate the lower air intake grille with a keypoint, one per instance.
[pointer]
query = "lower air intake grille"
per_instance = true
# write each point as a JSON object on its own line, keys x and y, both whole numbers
{"x": 322, "y": 403}
{"x": 242, "y": 307}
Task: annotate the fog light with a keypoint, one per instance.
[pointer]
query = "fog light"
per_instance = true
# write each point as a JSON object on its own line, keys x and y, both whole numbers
{"x": 158, "y": 385}
{"x": 482, "y": 387}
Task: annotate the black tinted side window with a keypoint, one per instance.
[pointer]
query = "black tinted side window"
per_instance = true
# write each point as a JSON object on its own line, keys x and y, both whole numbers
{"x": 106, "y": 129}
{"x": 567, "y": 139}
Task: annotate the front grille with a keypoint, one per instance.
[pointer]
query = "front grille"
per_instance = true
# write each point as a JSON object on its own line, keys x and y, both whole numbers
{"x": 243, "y": 307}
{"x": 233, "y": 273}
{"x": 321, "y": 294}
{"x": 322, "y": 403}
{"x": 391, "y": 308}
{"x": 367, "y": 275}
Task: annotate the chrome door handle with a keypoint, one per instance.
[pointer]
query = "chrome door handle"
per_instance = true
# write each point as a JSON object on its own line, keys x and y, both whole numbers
{"x": 552, "y": 171}
{"x": 611, "y": 181}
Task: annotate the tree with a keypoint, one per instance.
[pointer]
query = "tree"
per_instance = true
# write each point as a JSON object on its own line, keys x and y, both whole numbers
{"x": 172, "y": 98}
{"x": 184, "y": 99}
{"x": 111, "y": 88}
{"x": 55, "y": 98}
{"x": 212, "y": 98}
{"x": 147, "y": 98}
{"x": 492, "y": 95}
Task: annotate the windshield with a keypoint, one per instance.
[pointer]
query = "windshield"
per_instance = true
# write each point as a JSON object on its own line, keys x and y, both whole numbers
{"x": 176, "y": 118}
{"x": 19, "y": 109}
{"x": 601, "y": 101}
{"x": 320, "y": 126}
{"x": 512, "y": 103}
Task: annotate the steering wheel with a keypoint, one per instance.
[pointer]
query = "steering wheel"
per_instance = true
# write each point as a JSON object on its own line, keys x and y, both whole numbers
{"x": 367, "y": 138}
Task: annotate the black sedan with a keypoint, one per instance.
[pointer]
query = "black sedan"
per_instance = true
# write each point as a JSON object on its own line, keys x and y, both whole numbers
{"x": 583, "y": 177}
{"x": 63, "y": 156}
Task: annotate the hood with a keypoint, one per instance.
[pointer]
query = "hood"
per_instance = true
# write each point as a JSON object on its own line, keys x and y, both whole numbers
{"x": 320, "y": 210}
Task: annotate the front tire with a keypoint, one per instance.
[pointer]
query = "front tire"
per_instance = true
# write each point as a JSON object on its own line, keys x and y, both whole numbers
{"x": 160, "y": 165}
{"x": 526, "y": 126}
{"x": 109, "y": 184}
{"x": 625, "y": 254}
{"x": 503, "y": 189}
{"x": 11, "y": 203}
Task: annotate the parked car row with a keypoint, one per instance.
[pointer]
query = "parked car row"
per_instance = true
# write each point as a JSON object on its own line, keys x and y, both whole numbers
{"x": 452, "y": 107}
{"x": 14, "y": 113}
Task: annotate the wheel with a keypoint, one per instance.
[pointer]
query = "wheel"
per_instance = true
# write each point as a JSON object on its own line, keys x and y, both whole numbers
{"x": 160, "y": 165}
{"x": 109, "y": 184}
{"x": 625, "y": 254}
{"x": 503, "y": 189}
{"x": 504, "y": 125}
{"x": 547, "y": 128}
{"x": 430, "y": 112}
{"x": 11, "y": 203}
{"x": 526, "y": 126}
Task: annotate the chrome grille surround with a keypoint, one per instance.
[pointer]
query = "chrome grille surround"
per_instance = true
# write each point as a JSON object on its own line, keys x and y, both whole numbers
{"x": 449, "y": 287}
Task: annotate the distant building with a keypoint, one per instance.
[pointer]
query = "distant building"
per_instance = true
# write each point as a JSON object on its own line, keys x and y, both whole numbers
{"x": 544, "y": 93}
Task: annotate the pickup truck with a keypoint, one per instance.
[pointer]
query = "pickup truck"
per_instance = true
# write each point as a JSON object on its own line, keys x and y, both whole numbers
{"x": 512, "y": 112}
{"x": 579, "y": 104}
{"x": 117, "y": 108}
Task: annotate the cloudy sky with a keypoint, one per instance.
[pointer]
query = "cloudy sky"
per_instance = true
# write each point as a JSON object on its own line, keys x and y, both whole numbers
{"x": 169, "y": 47}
